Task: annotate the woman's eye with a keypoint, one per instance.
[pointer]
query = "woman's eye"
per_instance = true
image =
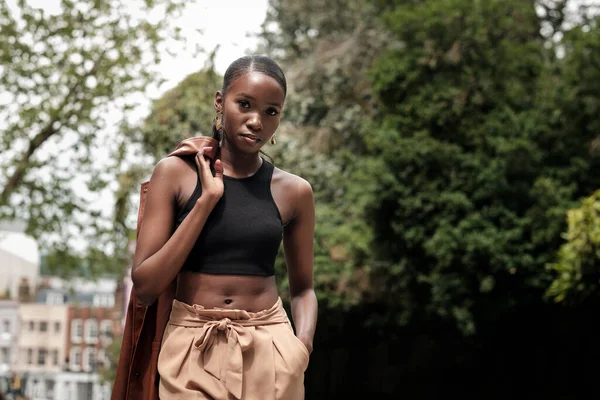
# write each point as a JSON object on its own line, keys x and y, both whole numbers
{"x": 272, "y": 112}
{"x": 244, "y": 103}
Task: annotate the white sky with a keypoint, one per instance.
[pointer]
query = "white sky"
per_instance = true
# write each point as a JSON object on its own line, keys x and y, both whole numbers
{"x": 229, "y": 24}
{"x": 226, "y": 23}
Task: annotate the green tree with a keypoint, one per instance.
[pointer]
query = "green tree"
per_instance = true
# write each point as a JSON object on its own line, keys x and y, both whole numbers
{"x": 109, "y": 372}
{"x": 577, "y": 265}
{"x": 292, "y": 29}
{"x": 184, "y": 111}
{"x": 61, "y": 74}
{"x": 442, "y": 193}
{"x": 326, "y": 50}
{"x": 474, "y": 174}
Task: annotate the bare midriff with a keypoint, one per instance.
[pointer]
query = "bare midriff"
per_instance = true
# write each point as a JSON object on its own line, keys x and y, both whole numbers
{"x": 244, "y": 292}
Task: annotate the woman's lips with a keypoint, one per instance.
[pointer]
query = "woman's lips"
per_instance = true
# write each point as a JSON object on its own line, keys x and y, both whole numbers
{"x": 250, "y": 138}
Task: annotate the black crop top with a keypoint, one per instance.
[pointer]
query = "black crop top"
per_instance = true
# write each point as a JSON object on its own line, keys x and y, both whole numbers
{"x": 243, "y": 233}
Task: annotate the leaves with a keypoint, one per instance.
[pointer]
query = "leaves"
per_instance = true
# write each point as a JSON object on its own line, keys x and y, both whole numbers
{"x": 442, "y": 183}
{"x": 577, "y": 266}
{"x": 62, "y": 73}
{"x": 184, "y": 111}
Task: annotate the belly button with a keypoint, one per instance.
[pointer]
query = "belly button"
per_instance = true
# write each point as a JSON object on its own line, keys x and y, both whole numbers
{"x": 228, "y": 301}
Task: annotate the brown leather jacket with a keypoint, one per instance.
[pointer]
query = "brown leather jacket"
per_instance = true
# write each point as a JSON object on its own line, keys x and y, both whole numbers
{"x": 137, "y": 375}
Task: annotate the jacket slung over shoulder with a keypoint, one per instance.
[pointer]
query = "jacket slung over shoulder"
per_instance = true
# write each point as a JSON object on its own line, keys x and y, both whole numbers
{"x": 137, "y": 375}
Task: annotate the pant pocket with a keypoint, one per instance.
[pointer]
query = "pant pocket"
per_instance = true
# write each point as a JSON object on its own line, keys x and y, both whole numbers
{"x": 291, "y": 360}
{"x": 302, "y": 347}
{"x": 293, "y": 352}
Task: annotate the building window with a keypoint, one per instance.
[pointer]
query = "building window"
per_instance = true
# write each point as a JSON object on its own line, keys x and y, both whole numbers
{"x": 6, "y": 326}
{"x": 89, "y": 359}
{"x": 36, "y": 388}
{"x": 43, "y": 326}
{"x": 103, "y": 358}
{"x": 57, "y": 327}
{"x": 4, "y": 356}
{"x": 106, "y": 329}
{"x": 76, "y": 331}
{"x": 55, "y": 357}
{"x": 49, "y": 389}
{"x": 54, "y": 298}
{"x": 31, "y": 326}
{"x": 42, "y": 355}
{"x": 29, "y": 356}
{"x": 91, "y": 331}
{"x": 75, "y": 359}
{"x": 104, "y": 300}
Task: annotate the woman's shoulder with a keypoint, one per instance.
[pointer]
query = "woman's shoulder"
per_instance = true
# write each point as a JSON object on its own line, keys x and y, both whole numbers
{"x": 292, "y": 182}
{"x": 172, "y": 167}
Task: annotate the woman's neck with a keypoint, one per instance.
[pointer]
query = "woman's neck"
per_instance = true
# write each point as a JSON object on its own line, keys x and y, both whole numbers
{"x": 237, "y": 164}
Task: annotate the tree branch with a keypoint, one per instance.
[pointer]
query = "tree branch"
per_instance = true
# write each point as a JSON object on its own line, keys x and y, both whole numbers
{"x": 23, "y": 163}
{"x": 47, "y": 131}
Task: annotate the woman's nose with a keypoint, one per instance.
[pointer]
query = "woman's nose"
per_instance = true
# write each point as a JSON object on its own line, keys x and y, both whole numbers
{"x": 254, "y": 122}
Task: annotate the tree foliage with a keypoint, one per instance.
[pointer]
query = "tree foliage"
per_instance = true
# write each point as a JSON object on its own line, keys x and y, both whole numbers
{"x": 184, "y": 111}
{"x": 61, "y": 74}
{"x": 578, "y": 261}
{"x": 109, "y": 372}
{"x": 448, "y": 198}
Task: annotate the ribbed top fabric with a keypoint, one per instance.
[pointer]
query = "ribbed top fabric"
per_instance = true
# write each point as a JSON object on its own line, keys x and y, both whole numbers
{"x": 243, "y": 233}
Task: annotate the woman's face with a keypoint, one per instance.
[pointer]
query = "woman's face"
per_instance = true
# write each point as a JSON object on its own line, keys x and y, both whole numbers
{"x": 251, "y": 111}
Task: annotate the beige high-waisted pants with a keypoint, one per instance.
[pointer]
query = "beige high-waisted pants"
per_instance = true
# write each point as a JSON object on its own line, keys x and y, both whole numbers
{"x": 226, "y": 354}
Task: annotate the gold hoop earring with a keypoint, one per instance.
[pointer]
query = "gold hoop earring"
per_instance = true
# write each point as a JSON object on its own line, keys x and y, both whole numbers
{"x": 273, "y": 140}
{"x": 218, "y": 121}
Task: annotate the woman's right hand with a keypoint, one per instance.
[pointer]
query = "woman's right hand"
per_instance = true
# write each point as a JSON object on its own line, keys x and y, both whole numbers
{"x": 212, "y": 186}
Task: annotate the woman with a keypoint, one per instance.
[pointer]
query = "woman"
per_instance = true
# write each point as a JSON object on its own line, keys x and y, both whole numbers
{"x": 218, "y": 233}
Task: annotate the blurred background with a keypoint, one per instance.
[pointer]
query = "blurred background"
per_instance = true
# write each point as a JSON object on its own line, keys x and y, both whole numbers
{"x": 453, "y": 147}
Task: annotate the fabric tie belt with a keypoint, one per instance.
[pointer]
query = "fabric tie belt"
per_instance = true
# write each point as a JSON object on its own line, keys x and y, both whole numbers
{"x": 227, "y": 364}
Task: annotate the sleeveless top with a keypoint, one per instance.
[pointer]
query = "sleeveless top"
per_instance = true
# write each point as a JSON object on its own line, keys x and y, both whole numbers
{"x": 243, "y": 232}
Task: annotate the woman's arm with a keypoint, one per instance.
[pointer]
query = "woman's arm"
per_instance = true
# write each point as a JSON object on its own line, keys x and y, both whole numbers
{"x": 160, "y": 253}
{"x": 299, "y": 254}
